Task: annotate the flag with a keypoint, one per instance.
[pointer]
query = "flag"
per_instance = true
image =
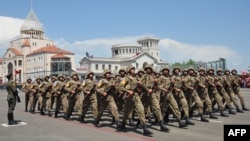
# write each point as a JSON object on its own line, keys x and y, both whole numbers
{"x": 17, "y": 72}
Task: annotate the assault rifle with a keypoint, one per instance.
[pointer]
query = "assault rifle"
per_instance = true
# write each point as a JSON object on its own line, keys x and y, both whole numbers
{"x": 91, "y": 91}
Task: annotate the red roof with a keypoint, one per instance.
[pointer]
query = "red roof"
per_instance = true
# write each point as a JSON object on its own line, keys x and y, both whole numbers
{"x": 50, "y": 49}
{"x": 59, "y": 55}
{"x": 15, "y": 51}
{"x": 26, "y": 43}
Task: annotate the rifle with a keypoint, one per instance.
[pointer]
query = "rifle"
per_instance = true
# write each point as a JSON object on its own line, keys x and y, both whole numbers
{"x": 91, "y": 91}
{"x": 111, "y": 88}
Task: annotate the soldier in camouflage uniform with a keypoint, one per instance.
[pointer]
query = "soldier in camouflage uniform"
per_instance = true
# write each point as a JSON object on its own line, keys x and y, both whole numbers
{"x": 167, "y": 99}
{"x": 32, "y": 95}
{"x": 43, "y": 89}
{"x": 106, "y": 90}
{"x": 90, "y": 98}
{"x": 73, "y": 87}
{"x": 236, "y": 89}
{"x": 179, "y": 95}
{"x": 150, "y": 85}
{"x": 49, "y": 95}
{"x": 223, "y": 87}
{"x": 25, "y": 89}
{"x": 11, "y": 88}
{"x": 132, "y": 88}
{"x": 212, "y": 91}
{"x": 189, "y": 89}
{"x": 203, "y": 92}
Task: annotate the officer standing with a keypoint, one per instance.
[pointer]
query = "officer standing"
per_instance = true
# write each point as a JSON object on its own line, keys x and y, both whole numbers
{"x": 11, "y": 88}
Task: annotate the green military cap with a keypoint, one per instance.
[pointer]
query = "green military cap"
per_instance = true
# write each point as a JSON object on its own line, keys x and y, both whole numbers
{"x": 129, "y": 68}
{"x": 106, "y": 71}
{"x": 176, "y": 67}
{"x": 141, "y": 70}
{"x": 9, "y": 75}
{"x": 165, "y": 68}
{"x": 148, "y": 66}
{"x": 233, "y": 70}
{"x": 122, "y": 69}
{"x": 219, "y": 70}
{"x": 59, "y": 76}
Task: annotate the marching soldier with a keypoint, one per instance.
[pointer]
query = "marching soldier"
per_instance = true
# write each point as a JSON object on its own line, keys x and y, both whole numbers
{"x": 167, "y": 99}
{"x": 236, "y": 89}
{"x": 49, "y": 95}
{"x": 132, "y": 89}
{"x": 90, "y": 98}
{"x": 25, "y": 89}
{"x": 43, "y": 89}
{"x": 74, "y": 96}
{"x": 106, "y": 89}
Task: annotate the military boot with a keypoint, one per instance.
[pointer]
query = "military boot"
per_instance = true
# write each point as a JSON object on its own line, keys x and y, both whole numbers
{"x": 10, "y": 119}
{"x": 97, "y": 123}
{"x": 156, "y": 122}
{"x": 223, "y": 114}
{"x": 42, "y": 112}
{"x": 118, "y": 126}
{"x": 239, "y": 110}
{"x": 66, "y": 116}
{"x": 163, "y": 127}
{"x": 56, "y": 113}
{"x": 230, "y": 111}
{"x": 146, "y": 131}
{"x": 123, "y": 127}
{"x": 203, "y": 119}
{"x": 81, "y": 119}
{"x": 150, "y": 119}
{"x": 166, "y": 118}
{"x": 245, "y": 108}
{"x": 212, "y": 116}
{"x": 49, "y": 114}
{"x": 138, "y": 124}
{"x": 132, "y": 122}
{"x": 189, "y": 122}
{"x": 191, "y": 113}
{"x": 113, "y": 119}
{"x": 182, "y": 124}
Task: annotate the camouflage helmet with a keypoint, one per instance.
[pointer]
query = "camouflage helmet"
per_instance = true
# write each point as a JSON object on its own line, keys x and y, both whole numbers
{"x": 210, "y": 69}
{"x": 59, "y": 76}
{"x": 122, "y": 69}
{"x": 176, "y": 67}
{"x": 185, "y": 70}
{"x": 219, "y": 70}
{"x": 141, "y": 70}
{"x": 190, "y": 68}
{"x": 164, "y": 68}
{"x": 148, "y": 66}
{"x": 29, "y": 79}
{"x": 46, "y": 77}
{"x": 38, "y": 79}
{"x": 201, "y": 69}
{"x": 106, "y": 71}
{"x": 89, "y": 72}
{"x": 74, "y": 73}
{"x": 129, "y": 68}
{"x": 227, "y": 70}
{"x": 233, "y": 70}
{"x": 53, "y": 77}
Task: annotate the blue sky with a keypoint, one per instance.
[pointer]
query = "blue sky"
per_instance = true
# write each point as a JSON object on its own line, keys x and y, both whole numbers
{"x": 197, "y": 29}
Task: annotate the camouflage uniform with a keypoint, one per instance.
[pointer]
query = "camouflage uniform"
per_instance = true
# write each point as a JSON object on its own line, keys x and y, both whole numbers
{"x": 90, "y": 98}
{"x": 236, "y": 89}
{"x": 106, "y": 89}
{"x": 43, "y": 89}
{"x": 167, "y": 98}
{"x": 25, "y": 89}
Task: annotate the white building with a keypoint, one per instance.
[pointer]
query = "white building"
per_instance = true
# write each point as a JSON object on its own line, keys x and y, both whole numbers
{"x": 146, "y": 51}
{"x": 34, "y": 55}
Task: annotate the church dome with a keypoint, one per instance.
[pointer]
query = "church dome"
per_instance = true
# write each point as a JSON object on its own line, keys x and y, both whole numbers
{"x": 32, "y": 23}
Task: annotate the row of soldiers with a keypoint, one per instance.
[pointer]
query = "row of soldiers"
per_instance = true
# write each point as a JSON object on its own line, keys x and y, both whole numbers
{"x": 145, "y": 94}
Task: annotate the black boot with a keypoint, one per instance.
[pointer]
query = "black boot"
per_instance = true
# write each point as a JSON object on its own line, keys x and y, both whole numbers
{"x": 66, "y": 116}
{"x": 42, "y": 112}
{"x": 203, "y": 119}
{"x": 230, "y": 111}
{"x": 163, "y": 127}
{"x": 239, "y": 110}
{"x": 49, "y": 114}
{"x": 132, "y": 122}
{"x": 156, "y": 122}
{"x": 150, "y": 119}
{"x": 138, "y": 124}
{"x": 223, "y": 114}
{"x": 189, "y": 122}
{"x": 56, "y": 113}
{"x": 123, "y": 127}
{"x": 97, "y": 123}
{"x": 81, "y": 119}
{"x": 191, "y": 113}
{"x": 212, "y": 116}
{"x": 113, "y": 119}
{"x": 10, "y": 119}
{"x": 118, "y": 126}
{"x": 182, "y": 124}
{"x": 245, "y": 108}
{"x": 146, "y": 132}
{"x": 166, "y": 118}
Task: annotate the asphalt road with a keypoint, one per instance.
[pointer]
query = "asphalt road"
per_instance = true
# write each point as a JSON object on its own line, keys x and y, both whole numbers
{"x": 41, "y": 128}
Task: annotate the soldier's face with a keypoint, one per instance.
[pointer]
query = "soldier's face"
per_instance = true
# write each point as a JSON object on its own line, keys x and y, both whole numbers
{"x": 91, "y": 75}
{"x": 165, "y": 71}
{"x": 227, "y": 73}
{"x": 108, "y": 75}
{"x": 201, "y": 72}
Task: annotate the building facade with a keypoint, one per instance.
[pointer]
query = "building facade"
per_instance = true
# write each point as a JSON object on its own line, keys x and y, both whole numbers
{"x": 145, "y": 51}
{"x": 33, "y": 55}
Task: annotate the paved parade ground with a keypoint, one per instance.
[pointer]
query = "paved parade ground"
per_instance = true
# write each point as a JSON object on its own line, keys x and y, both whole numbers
{"x": 44, "y": 128}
